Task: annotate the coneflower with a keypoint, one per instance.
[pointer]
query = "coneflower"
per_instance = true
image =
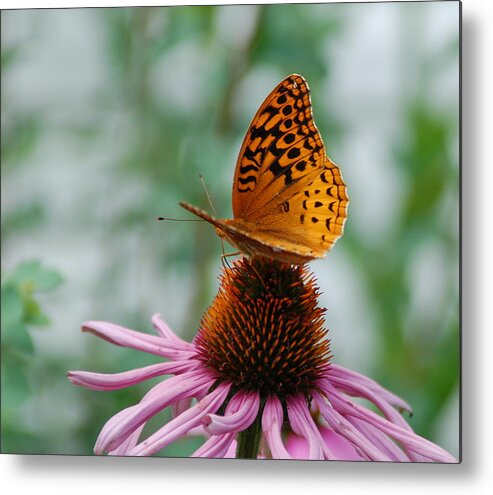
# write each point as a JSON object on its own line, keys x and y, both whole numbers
{"x": 257, "y": 381}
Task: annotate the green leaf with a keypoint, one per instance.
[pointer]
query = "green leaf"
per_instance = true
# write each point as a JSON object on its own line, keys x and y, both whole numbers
{"x": 31, "y": 276}
{"x": 12, "y": 307}
{"x": 20, "y": 135}
{"x": 33, "y": 314}
{"x": 15, "y": 385}
{"x": 16, "y": 338}
{"x": 23, "y": 218}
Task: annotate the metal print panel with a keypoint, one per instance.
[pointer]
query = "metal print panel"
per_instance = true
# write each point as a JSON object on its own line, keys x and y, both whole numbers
{"x": 305, "y": 305}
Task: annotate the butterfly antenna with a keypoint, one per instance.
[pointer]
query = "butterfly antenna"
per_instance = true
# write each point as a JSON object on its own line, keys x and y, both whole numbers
{"x": 168, "y": 219}
{"x": 201, "y": 177}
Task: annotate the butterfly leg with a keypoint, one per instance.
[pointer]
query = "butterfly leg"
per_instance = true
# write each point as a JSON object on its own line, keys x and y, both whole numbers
{"x": 224, "y": 259}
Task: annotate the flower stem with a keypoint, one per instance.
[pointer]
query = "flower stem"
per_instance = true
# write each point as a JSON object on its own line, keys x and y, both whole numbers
{"x": 249, "y": 440}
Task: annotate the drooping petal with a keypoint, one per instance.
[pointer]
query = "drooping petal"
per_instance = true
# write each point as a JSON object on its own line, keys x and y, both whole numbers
{"x": 407, "y": 438}
{"x": 380, "y": 440}
{"x": 342, "y": 448}
{"x": 183, "y": 423}
{"x": 215, "y": 446}
{"x": 272, "y": 418}
{"x": 360, "y": 386}
{"x": 180, "y": 406}
{"x": 303, "y": 425}
{"x": 104, "y": 437}
{"x": 115, "y": 381}
{"x": 115, "y": 334}
{"x": 358, "y": 390}
{"x": 297, "y": 446}
{"x": 129, "y": 443}
{"x": 344, "y": 428}
{"x": 118, "y": 428}
{"x": 352, "y": 377}
{"x": 240, "y": 413}
{"x": 163, "y": 329}
{"x": 231, "y": 452}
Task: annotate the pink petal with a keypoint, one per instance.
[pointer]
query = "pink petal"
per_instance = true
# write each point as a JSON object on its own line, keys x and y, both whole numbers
{"x": 342, "y": 448}
{"x": 358, "y": 388}
{"x": 180, "y": 406}
{"x": 183, "y": 423}
{"x": 199, "y": 381}
{"x": 120, "y": 426}
{"x": 297, "y": 447}
{"x": 115, "y": 381}
{"x": 129, "y": 443}
{"x": 345, "y": 429}
{"x": 303, "y": 425}
{"x": 163, "y": 329}
{"x": 216, "y": 446}
{"x": 410, "y": 440}
{"x": 240, "y": 413}
{"x": 354, "y": 377}
{"x": 272, "y": 418}
{"x": 104, "y": 437}
{"x": 231, "y": 452}
{"x": 196, "y": 431}
{"x": 125, "y": 337}
{"x": 380, "y": 440}
{"x": 361, "y": 391}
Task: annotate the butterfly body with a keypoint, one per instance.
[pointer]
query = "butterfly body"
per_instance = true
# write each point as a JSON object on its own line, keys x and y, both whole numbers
{"x": 251, "y": 241}
{"x": 289, "y": 199}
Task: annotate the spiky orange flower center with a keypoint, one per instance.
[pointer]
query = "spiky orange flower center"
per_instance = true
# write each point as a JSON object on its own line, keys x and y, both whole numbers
{"x": 264, "y": 330}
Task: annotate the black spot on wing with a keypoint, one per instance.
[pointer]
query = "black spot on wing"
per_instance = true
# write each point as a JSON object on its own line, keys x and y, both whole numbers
{"x": 246, "y": 180}
{"x": 282, "y": 99}
{"x": 287, "y": 110}
{"x": 294, "y": 153}
{"x": 289, "y": 138}
{"x": 244, "y": 169}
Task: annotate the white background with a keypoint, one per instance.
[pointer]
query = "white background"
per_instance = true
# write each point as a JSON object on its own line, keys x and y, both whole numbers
{"x": 58, "y": 474}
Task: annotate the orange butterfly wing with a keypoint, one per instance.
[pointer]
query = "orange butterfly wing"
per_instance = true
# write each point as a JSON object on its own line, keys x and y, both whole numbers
{"x": 281, "y": 145}
{"x": 284, "y": 183}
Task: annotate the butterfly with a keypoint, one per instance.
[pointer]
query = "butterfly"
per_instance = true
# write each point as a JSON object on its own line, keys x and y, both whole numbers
{"x": 289, "y": 198}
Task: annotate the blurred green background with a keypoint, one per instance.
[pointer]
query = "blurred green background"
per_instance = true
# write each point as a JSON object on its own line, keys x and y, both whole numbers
{"x": 108, "y": 118}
